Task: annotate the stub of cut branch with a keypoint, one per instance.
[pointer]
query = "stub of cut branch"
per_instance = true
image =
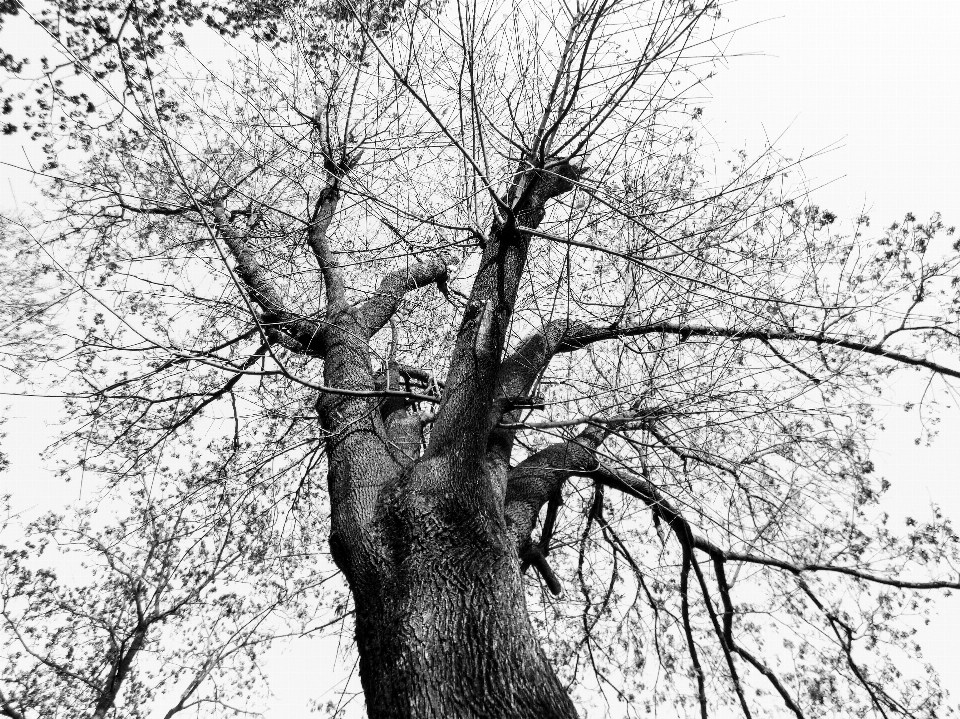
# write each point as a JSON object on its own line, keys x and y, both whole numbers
{"x": 535, "y": 557}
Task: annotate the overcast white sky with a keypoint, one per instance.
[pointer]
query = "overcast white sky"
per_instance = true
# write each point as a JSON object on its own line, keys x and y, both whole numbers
{"x": 878, "y": 78}
{"x": 882, "y": 79}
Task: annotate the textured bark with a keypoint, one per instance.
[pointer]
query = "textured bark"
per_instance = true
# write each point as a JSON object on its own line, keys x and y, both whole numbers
{"x": 441, "y": 622}
{"x": 444, "y": 631}
{"x": 426, "y": 541}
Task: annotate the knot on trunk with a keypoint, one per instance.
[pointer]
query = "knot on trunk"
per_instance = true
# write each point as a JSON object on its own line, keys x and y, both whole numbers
{"x": 536, "y": 186}
{"x": 559, "y": 177}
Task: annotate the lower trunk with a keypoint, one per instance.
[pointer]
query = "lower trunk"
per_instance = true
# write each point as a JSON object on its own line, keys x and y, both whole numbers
{"x": 444, "y": 632}
{"x": 454, "y": 640}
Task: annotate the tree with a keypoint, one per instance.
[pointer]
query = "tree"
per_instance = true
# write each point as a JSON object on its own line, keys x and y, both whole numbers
{"x": 648, "y": 383}
{"x": 160, "y": 611}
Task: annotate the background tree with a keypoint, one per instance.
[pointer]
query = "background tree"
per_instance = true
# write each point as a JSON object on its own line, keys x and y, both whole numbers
{"x": 159, "y": 615}
{"x": 653, "y": 378}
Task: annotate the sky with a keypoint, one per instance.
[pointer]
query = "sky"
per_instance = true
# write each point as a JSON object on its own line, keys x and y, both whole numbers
{"x": 878, "y": 82}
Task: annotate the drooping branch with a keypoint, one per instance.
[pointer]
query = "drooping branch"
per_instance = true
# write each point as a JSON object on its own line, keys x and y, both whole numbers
{"x": 208, "y": 398}
{"x": 724, "y": 637}
{"x": 208, "y": 353}
{"x": 647, "y": 492}
{"x": 844, "y": 634}
{"x": 536, "y": 553}
{"x": 688, "y": 628}
{"x": 543, "y": 475}
{"x": 728, "y": 613}
{"x": 663, "y": 508}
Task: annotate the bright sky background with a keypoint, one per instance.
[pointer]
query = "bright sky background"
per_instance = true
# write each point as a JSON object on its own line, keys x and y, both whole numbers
{"x": 879, "y": 80}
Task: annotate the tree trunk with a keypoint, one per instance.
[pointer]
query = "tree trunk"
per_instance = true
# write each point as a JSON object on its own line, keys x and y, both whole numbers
{"x": 442, "y": 628}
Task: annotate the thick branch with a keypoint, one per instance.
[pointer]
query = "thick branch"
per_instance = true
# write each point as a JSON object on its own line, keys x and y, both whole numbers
{"x": 307, "y": 333}
{"x": 521, "y": 368}
{"x": 323, "y": 212}
{"x": 538, "y": 480}
{"x": 119, "y": 672}
{"x": 518, "y": 373}
{"x": 465, "y": 416}
{"x": 540, "y": 476}
{"x": 385, "y": 301}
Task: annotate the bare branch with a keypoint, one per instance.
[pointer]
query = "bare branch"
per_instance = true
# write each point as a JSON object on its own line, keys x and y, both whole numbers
{"x": 584, "y": 336}
{"x": 322, "y": 216}
{"x": 654, "y": 498}
{"x": 466, "y": 416}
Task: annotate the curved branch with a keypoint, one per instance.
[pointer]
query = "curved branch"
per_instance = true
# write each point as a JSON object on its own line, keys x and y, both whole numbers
{"x": 585, "y": 335}
{"x": 663, "y": 508}
{"x": 539, "y": 477}
{"x": 322, "y": 216}
{"x": 538, "y": 480}
{"x": 520, "y": 370}
{"x": 648, "y": 493}
{"x": 725, "y": 638}
{"x": 728, "y": 612}
{"x": 688, "y": 629}
{"x": 518, "y": 373}
{"x": 386, "y": 299}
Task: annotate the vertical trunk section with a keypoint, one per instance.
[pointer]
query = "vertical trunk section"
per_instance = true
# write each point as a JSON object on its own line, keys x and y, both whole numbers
{"x": 446, "y": 634}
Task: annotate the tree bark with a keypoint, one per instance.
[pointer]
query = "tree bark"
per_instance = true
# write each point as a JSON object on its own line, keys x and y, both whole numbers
{"x": 441, "y": 622}
{"x": 443, "y": 629}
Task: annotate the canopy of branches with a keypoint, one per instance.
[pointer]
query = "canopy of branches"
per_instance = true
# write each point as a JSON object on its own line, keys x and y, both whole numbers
{"x": 679, "y": 363}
